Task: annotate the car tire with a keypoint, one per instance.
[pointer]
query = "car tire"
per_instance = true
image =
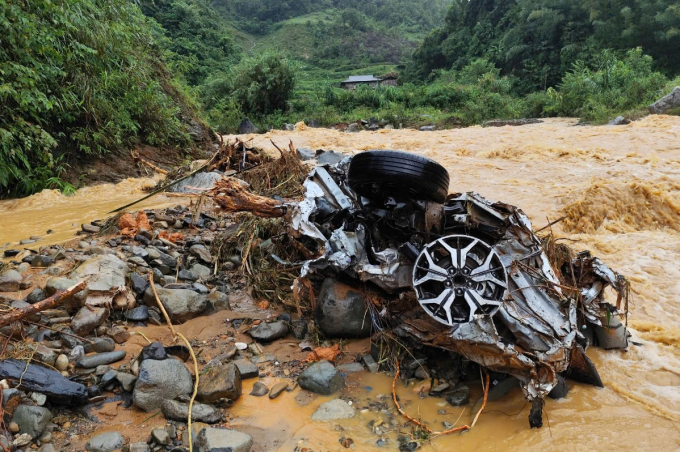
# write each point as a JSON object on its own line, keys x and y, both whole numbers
{"x": 376, "y": 173}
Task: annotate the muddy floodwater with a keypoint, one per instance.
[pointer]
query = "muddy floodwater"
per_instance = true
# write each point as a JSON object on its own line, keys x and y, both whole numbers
{"x": 619, "y": 189}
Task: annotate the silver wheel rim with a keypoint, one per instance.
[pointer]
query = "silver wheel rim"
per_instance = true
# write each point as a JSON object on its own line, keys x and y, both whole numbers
{"x": 459, "y": 277}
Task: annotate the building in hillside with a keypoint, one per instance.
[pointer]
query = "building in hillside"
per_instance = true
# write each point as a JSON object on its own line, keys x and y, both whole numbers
{"x": 389, "y": 79}
{"x": 355, "y": 80}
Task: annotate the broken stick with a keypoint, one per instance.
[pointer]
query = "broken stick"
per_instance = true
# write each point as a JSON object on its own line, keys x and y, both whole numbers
{"x": 18, "y": 314}
{"x": 231, "y": 196}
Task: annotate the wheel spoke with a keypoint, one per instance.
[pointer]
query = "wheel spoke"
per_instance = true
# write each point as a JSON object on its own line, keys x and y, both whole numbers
{"x": 458, "y": 255}
{"x": 434, "y": 272}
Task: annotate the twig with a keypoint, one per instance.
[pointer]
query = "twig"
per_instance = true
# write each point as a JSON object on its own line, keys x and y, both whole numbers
{"x": 550, "y": 224}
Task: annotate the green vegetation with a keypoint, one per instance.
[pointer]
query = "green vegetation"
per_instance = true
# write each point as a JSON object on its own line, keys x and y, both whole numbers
{"x": 78, "y": 78}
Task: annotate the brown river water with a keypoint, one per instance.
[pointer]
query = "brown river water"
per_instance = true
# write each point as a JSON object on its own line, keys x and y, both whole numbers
{"x": 619, "y": 187}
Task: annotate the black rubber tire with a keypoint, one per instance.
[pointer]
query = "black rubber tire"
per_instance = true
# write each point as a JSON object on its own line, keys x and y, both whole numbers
{"x": 374, "y": 173}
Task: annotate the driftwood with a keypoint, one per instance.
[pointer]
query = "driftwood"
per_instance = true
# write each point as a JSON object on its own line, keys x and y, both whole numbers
{"x": 18, "y": 314}
{"x": 231, "y": 196}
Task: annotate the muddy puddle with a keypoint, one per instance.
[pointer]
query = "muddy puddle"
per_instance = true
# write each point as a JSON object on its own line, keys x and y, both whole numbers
{"x": 619, "y": 188}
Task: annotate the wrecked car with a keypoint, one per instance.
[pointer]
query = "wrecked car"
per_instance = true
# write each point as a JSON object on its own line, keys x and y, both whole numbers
{"x": 484, "y": 284}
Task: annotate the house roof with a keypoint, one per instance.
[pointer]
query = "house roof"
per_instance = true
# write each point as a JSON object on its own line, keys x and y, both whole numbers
{"x": 360, "y": 78}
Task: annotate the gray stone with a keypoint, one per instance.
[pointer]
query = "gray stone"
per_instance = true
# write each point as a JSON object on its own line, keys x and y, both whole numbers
{"x": 103, "y": 273}
{"x": 223, "y": 440}
{"x": 47, "y": 448}
{"x": 277, "y": 389}
{"x": 330, "y": 158}
{"x": 57, "y": 283}
{"x": 138, "y": 314}
{"x": 45, "y": 355}
{"x": 305, "y": 154}
{"x": 246, "y": 368}
{"x": 341, "y": 311}
{"x": 321, "y": 378}
{"x": 139, "y": 447}
{"x": 139, "y": 283}
{"x": 100, "y": 345}
{"x": 668, "y": 102}
{"x": 619, "y": 121}
{"x": 127, "y": 381}
{"x": 106, "y": 442}
{"x": 100, "y": 359}
{"x": 32, "y": 419}
{"x": 259, "y": 389}
{"x": 427, "y": 128}
{"x": 219, "y": 382}
{"x": 353, "y": 128}
{"x": 200, "y": 271}
{"x": 90, "y": 228}
{"x": 560, "y": 390}
{"x": 267, "y": 332}
{"x": 289, "y": 127}
{"x": 36, "y": 295}
{"x": 181, "y": 304}
{"x": 161, "y": 436}
{"x": 160, "y": 380}
{"x": 219, "y": 301}
{"x": 246, "y": 127}
{"x": 502, "y": 388}
{"x": 198, "y": 180}
{"x": 201, "y": 252}
{"x": 333, "y": 410}
{"x": 41, "y": 261}
{"x": 460, "y": 396}
{"x": 186, "y": 275}
{"x": 178, "y": 411}
{"x": 9, "y": 281}
{"x": 87, "y": 319}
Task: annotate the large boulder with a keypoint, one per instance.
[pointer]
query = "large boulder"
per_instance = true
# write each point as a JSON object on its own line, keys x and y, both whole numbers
{"x": 32, "y": 419}
{"x": 9, "y": 281}
{"x": 668, "y": 102}
{"x": 103, "y": 272}
{"x": 159, "y": 381}
{"x": 321, "y": 378}
{"x": 181, "y": 304}
{"x": 246, "y": 127}
{"x": 341, "y": 311}
{"x": 223, "y": 440}
{"x": 220, "y": 382}
{"x": 198, "y": 180}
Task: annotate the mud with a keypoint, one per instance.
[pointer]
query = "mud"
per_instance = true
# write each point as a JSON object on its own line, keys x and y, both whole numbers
{"x": 618, "y": 186}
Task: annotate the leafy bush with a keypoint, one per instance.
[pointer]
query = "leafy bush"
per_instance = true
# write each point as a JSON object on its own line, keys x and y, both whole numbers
{"x": 77, "y": 77}
{"x": 264, "y": 83}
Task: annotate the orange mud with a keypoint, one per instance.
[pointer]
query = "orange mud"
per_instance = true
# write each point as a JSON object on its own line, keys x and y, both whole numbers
{"x": 618, "y": 188}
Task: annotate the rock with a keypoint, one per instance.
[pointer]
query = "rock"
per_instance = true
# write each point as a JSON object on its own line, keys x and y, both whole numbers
{"x": 186, "y": 275}
{"x": 139, "y": 283}
{"x": 612, "y": 335}
{"x": 619, "y": 121}
{"x": 314, "y": 123}
{"x": 246, "y": 127}
{"x": 330, "y": 158}
{"x": 160, "y": 380}
{"x": 41, "y": 261}
{"x": 321, "y": 378}
{"x": 138, "y": 314}
{"x": 201, "y": 252}
{"x": 161, "y": 436}
{"x": 103, "y": 272}
{"x": 119, "y": 334}
{"x": 90, "y": 228}
{"x": 61, "y": 364}
{"x": 47, "y": 381}
{"x": 427, "y": 128}
{"x": 178, "y": 411}
{"x": 45, "y": 355}
{"x": 100, "y": 345}
{"x": 100, "y": 359}
{"x": 220, "y": 382}
{"x": 87, "y": 319}
{"x": 267, "y": 332}
{"x": 9, "y": 281}
{"x": 57, "y": 283}
{"x": 511, "y": 122}
{"x": 353, "y": 128}
{"x": 106, "y": 442}
{"x": 36, "y": 295}
{"x": 341, "y": 311}
{"x": 14, "y": 427}
{"x": 668, "y": 102}
{"x": 246, "y": 368}
{"x": 154, "y": 350}
{"x": 350, "y": 368}
{"x": 289, "y": 127}
{"x": 200, "y": 271}
{"x": 223, "y": 440}
{"x": 299, "y": 328}
{"x": 32, "y": 419}
{"x": 198, "y": 180}
{"x": 277, "y": 389}
{"x": 305, "y": 154}
{"x": 333, "y": 410}
{"x": 181, "y": 304}
{"x": 502, "y": 388}
{"x": 22, "y": 440}
{"x": 108, "y": 377}
{"x": 560, "y": 390}
{"x": 38, "y": 398}
{"x": 259, "y": 389}
{"x": 460, "y": 396}
{"x": 11, "y": 253}
{"x": 219, "y": 301}
{"x": 127, "y": 381}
